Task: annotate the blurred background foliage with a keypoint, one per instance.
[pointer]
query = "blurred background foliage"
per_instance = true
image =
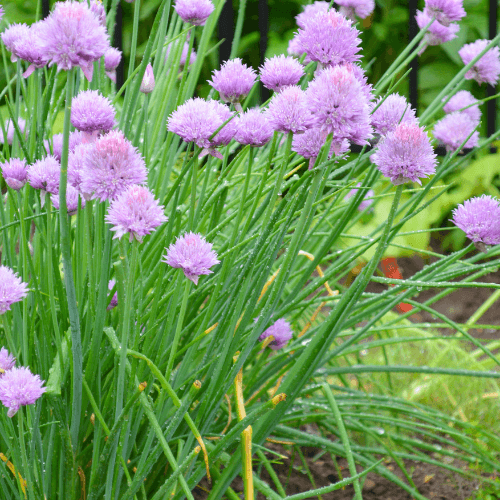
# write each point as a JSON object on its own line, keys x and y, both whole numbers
{"x": 384, "y": 35}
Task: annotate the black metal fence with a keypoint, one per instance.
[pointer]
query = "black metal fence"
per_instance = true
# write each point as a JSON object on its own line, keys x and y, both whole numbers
{"x": 413, "y": 30}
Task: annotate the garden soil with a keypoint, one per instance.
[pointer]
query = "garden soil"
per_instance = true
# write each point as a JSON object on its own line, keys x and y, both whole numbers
{"x": 459, "y": 305}
{"x": 431, "y": 481}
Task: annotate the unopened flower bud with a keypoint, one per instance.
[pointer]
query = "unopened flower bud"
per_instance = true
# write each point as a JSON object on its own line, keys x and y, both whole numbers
{"x": 148, "y": 81}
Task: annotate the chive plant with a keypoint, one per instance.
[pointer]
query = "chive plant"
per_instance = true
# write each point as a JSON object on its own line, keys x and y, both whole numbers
{"x": 167, "y": 259}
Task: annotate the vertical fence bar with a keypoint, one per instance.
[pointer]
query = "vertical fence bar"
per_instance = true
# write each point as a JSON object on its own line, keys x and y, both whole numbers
{"x": 45, "y": 8}
{"x": 263, "y": 29}
{"x": 491, "y": 106}
{"x": 118, "y": 44}
{"x": 412, "y": 32}
{"x": 226, "y": 31}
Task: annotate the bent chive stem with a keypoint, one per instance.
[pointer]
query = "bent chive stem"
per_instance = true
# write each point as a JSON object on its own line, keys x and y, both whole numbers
{"x": 246, "y": 437}
{"x": 365, "y": 276}
{"x": 194, "y": 180}
{"x": 178, "y": 329}
{"x": 344, "y": 437}
{"x": 25, "y": 274}
{"x": 281, "y": 175}
{"x": 126, "y": 327}
{"x": 76, "y": 345}
{"x": 24, "y": 458}
{"x": 50, "y": 278}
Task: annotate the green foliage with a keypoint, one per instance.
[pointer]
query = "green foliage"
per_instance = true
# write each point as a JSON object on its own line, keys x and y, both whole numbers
{"x": 488, "y": 491}
{"x": 134, "y": 394}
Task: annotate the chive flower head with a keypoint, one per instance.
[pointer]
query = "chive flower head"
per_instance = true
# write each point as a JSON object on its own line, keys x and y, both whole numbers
{"x": 19, "y": 387}
{"x": 12, "y": 289}
{"x": 193, "y": 254}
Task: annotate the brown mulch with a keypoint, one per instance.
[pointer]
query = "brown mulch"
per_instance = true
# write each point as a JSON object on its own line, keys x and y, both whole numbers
{"x": 431, "y": 481}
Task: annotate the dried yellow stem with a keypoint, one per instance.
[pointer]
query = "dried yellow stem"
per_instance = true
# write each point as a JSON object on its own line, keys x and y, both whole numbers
{"x": 246, "y": 436}
{"x": 12, "y": 469}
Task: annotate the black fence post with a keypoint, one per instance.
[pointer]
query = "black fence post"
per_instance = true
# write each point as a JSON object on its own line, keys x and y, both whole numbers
{"x": 264, "y": 29}
{"x": 413, "y": 30}
{"x": 226, "y": 30}
{"x": 45, "y": 8}
{"x": 491, "y": 106}
{"x": 118, "y": 44}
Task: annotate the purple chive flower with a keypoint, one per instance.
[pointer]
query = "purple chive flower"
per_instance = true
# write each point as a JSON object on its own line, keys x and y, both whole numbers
{"x": 280, "y": 71}
{"x": 12, "y": 289}
{"x": 195, "y": 12}
{"x": 193, "y": 254}
{"x": 73, "y": 36}
{"x": 11, "y": 35}
{"x": 114, "y": 299}
{"x": 436, "y": 33}
{"x": 97, "y": 8}
{"x": 353, "y": 8}
{"x": 2, "y": 12}
{"x": 310, "y": 11}
{"x": 112, "y": 59}
{"x": 92, "y": 112}
{"x": 288, "y": 111}
{"x": 329, "y": 38}
{"x": 57, "y": 143}
{"x": 487, "y": 68}
{"x": 10, "y": 130}
{"x": 365, "y": 203}
{"x": 282, "y": 333}
{"x": 453, "y": 130}
{"x": 184, "y": 54}
{"x": 339, "y": 106}
{"x": 110, "y": 166}
{"x": 393, "y": 110}
{"x": 28, "y": 48}
{"x": 405, "y": 155}
{"x": 19, "y": 387}
{"x": 478, "y": 218}
{"x": 445, "y": 11}
{"x": 233, "y": 81}
{"x": 295, "y": 49}
{"x": 252, "y": 127}
{"x": 76, "y": 160}
{"x": 44, "y": 174}
{"x": 197, "y": 120}
{"x": 148, "y": 81}
{"x": 461, "y": 100}
{"x": 15, "y": 173}
{"x": 135, "y": 212}
{"x": 309, "y": 145}
{"x": 75, "y": 138}
{"x": 72, "y": 197}
{"x": 359, "y": 73}
{"x": 7, "y": 361}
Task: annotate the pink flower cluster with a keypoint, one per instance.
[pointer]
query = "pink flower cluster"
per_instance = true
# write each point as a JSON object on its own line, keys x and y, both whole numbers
{"x": 12, "y": 289}
{"x": 18, "y": 386}
{"x": 444, "y": 15}
{"x": 281, "y": 332}
{"x": 457, "y": 130}
{"x": 73, "y": 35}
{"x": 193, "y": 254}
{"x": 487, "y": 68}
{"x": 405, "y": 155}
{"x": 479, "y": 218}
